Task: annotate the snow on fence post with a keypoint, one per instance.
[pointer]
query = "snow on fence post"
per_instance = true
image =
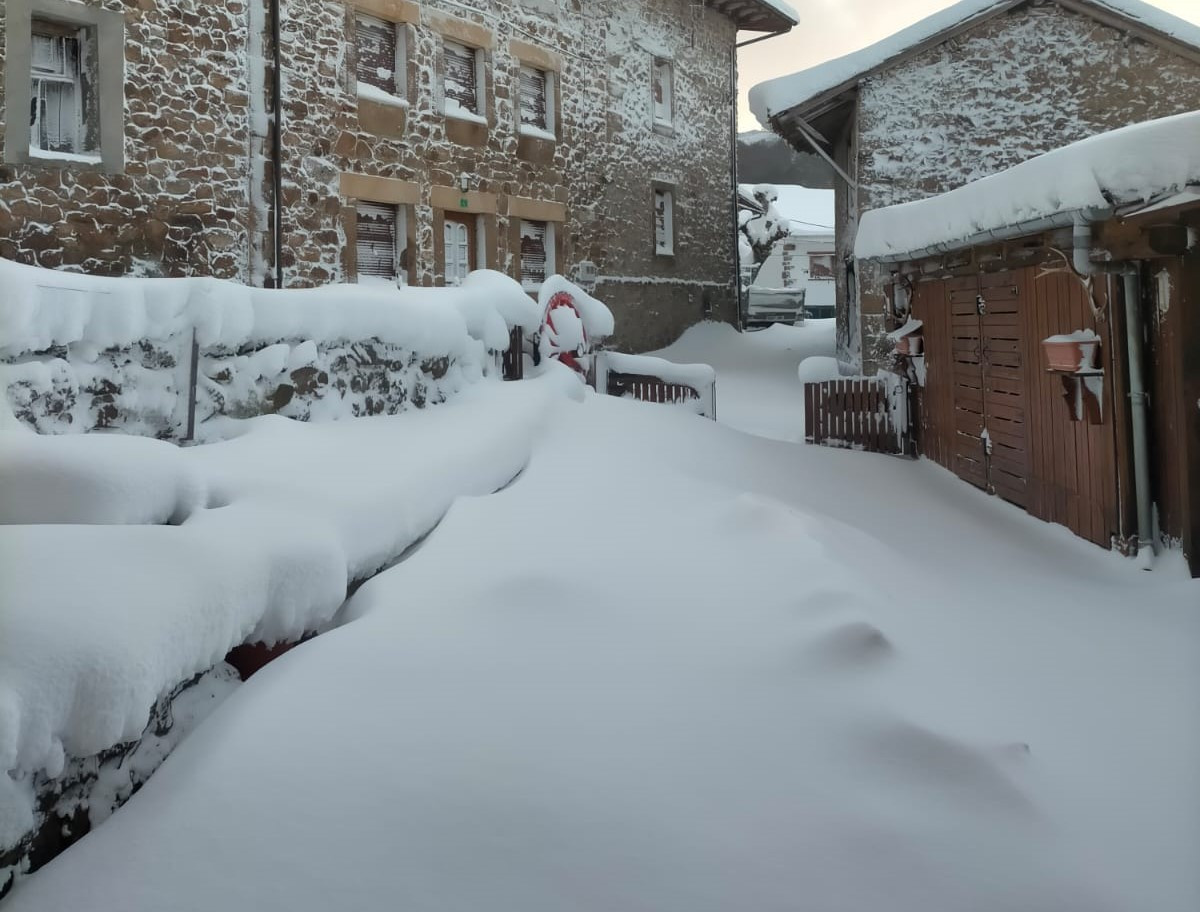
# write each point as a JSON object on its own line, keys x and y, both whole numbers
{"x": 650, "y": 379}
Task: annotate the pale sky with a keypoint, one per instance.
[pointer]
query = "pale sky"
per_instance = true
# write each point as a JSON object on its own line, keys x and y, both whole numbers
{"x": 831, "y": 28}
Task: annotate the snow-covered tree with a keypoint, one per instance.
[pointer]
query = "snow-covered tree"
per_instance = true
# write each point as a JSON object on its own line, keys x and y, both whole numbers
{"x": 760, "y": 226}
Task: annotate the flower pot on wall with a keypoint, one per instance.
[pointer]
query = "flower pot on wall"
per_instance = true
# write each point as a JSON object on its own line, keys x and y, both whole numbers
{"x": 1073, "y": 352}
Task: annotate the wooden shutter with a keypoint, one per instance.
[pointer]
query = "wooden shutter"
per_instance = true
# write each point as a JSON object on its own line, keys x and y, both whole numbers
{"x": 377, "y": 57}
{"x": 533, "y": 98}
{"x": 534, "y": 257}
{"x": 461, "y": 81}
{"x": 376, "y": 241}
{"x": 662, "y": 86}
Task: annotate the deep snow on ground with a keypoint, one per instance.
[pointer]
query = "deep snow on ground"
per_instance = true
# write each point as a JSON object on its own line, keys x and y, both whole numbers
{"x": 759, "y": 390}
{"x": 677, "y": 667}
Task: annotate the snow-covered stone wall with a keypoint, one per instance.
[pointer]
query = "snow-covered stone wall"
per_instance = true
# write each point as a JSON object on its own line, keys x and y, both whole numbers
{"x": 1018, "y": 85}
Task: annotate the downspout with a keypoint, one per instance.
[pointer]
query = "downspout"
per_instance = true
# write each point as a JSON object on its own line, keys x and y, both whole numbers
{"x": 733, "y": 180}
{"x": 1137, "y": 410}
{"x": 277, "y": 143}
{"x": 1081, "y": 235}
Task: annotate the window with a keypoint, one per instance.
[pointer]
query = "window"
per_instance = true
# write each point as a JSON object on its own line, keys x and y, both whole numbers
{"x": 461, "y": 81}
{"x": 537, "y": 252}
{"x": 382, "y": 243}
{"x": 820, "y": 266}
{"x": 459, "y": 245}
{"x": 664, "y": 222}
{"x": 380, "y": 47}
{"x": 56, "y": 115}
{"x": 536, "y": 101}
{"x": 662, "y": 87}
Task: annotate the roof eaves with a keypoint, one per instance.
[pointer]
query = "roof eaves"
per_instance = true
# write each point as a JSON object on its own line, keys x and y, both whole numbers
{"x": 758, "y": 15}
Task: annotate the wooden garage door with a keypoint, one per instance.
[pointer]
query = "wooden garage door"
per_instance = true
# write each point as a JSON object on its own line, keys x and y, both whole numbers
{"x": 990, "y": 443}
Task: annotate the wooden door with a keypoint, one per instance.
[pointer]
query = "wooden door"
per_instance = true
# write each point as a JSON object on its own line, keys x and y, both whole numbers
{"x": 1003, "y": 394}
{"x": 968, "y": 448}
{"x": 990, "y": 442}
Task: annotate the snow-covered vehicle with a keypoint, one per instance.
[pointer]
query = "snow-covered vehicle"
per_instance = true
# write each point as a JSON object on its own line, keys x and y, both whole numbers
{"x": 765, "y": 306}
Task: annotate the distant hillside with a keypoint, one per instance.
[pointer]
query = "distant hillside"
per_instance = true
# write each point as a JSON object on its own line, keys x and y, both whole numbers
{"x": 764, "y": 158}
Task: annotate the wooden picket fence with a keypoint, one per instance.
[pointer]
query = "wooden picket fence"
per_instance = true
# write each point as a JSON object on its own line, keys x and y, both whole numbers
{"x": 854, "y": 413}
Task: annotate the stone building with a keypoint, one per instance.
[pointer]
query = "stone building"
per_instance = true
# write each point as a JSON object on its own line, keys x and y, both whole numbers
{"x": 401, "y": 141}
{"x": 970, "y": 91}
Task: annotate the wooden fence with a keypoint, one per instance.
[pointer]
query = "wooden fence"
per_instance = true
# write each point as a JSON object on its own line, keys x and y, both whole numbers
{"x": 650, "y": 379}
{"x": 855, "y": 413}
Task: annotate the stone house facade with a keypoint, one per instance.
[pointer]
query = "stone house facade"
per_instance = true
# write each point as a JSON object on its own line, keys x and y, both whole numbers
{"x": 970, "y": 92}
{"x": 529, "y": 136}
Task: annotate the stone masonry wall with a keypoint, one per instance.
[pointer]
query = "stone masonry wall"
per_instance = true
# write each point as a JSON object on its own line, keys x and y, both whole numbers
{"x": 180, "y": 207}
{"x": 193, "y": 198}
{"x": 600, "y": 171}
{"x": 1020, "y": 84}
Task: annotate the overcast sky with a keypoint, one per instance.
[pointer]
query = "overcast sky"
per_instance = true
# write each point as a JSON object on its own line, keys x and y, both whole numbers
{"x": 831, "y": 28}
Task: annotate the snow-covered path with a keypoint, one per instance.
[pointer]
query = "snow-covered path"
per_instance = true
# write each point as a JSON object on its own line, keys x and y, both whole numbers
{"x": 679, "y": 667}
{"x": 758, "y": 388}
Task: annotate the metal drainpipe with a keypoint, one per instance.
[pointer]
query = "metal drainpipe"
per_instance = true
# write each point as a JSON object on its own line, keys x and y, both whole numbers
{"x": 733, "y": 180}
{"x": 1137, "y": 401}
{"x": 1135, "y": 349}
{"x": 277, "y": 143}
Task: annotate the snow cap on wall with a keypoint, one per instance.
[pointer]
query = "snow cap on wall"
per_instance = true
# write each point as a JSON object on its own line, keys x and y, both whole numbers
{"x": 1134, "y": 164}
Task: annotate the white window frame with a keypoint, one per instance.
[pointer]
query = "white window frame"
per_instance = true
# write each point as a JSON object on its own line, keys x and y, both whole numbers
{"x": 400, "y": 70}
{"x": 666, "y": 119}
{"x": 549, "y": 80}
{"x": 67, "y": 76}
{"x": 664, "y": 245}
{"x": 550, "y": 243}
{"x": 481, "y": 109}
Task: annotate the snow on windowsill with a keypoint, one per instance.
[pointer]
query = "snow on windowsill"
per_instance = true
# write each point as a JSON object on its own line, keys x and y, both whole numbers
{"x": 456, "y": 111}
{"x": 537, "y": 133}
{"x": 87, "y": 158}
{"x": 368, "y": 92}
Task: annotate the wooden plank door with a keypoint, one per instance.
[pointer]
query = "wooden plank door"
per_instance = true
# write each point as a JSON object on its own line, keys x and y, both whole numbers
{"x": 968, "y": 452}
{"x": 1003, "y": 372}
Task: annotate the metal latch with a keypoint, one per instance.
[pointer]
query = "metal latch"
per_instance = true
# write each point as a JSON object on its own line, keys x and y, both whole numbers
{"x": 980, "y": 305}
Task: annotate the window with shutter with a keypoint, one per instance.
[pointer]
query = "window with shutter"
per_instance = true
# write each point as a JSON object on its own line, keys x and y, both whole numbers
{"x": 662, "y": 85}
{"x": 55, "y": 98}
{"x": 461, "y": 86}
{"x": 535, "y": 99}
{"x": 380, "y": 54}
{"x": 537, "y": 252}
{"x": 378, "y": 228}
{"x": 664, "y": 222}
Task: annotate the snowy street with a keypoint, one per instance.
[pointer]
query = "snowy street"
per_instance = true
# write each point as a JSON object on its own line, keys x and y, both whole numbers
{"x": 676, "y": 665}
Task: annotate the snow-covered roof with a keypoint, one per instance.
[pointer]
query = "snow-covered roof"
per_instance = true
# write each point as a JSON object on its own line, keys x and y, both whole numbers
{"x": 1140, "y": 163}
{"x": 758, "y": 15}
{"x": 770, "y": 98}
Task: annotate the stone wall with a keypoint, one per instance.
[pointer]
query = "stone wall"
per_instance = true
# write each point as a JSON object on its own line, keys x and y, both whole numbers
{"x": 197, "y": 183}
{"x": 1034, "y": 79}
{"x": 180, "y": 206}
